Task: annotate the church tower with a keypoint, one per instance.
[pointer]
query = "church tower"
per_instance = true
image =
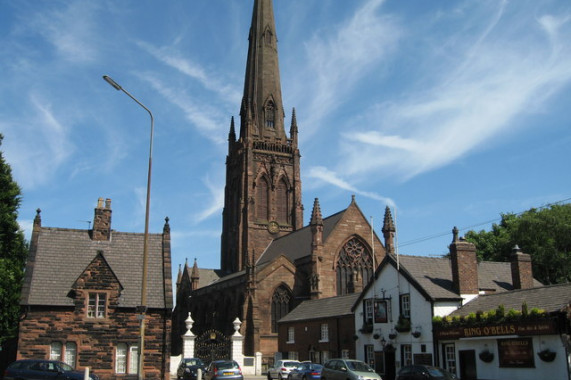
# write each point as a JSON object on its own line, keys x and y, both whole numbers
{"x": 262, "y": 199}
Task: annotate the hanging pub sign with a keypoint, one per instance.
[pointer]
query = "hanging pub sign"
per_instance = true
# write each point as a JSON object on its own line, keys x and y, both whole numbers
{"x": 517, "y": 352}
{"x": 381, "y": 311}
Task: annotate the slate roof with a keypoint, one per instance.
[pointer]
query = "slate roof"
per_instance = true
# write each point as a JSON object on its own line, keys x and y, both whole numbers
{"x": 434, "y": 275}
{"x": 63, "y": 254}
{"x": 550, "y": 298}
{"x": 297, "y": 244}
{"x": 322, "y": 308}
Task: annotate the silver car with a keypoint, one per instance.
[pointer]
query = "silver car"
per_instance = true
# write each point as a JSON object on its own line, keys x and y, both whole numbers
{"x": 281, "y": 369}
{"x": 348, "y": 369}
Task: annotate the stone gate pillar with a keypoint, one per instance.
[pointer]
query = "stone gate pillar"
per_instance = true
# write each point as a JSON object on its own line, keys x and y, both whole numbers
{"x": 237, "y": 343}
{"x": 188, "y": 339}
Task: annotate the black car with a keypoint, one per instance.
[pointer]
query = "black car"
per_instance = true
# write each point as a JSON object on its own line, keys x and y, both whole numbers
{"x": 188, "y": 369}
{"x": 424, "y": 372}
{"x": 34, "y": 369}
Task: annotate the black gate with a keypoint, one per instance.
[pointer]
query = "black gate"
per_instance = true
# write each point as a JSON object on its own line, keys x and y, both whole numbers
{"x": 213, "y": 345}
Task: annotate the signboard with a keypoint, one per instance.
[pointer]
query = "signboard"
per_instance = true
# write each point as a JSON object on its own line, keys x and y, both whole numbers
{"x": 381, "y": 311}
{"x": 524, "y": 328}
{"x": 516, "y": 353}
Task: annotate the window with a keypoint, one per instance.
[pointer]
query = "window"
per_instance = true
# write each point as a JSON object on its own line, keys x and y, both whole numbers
{"x": 406, "y": 354}
{"x": 97, "y": 305}
{"x": 368, "y": 310}
{"x": 270, "y": 114}
{"x": 282, "y": 205}
{"x": 55, "y": 351}
{"x": 324, "y": 337}
{"x": 354, "y": 267}
{"x": 133, "y": 359}
{"x": 262, "y": 200}
{"x": 345, "y": 354}
{"x": 293, "y": 355}
{"x": 405, "y": 305}
{"x": 280, "y": 306}
{"x": 450, "y": 358}
{"x": 121, "y": 358}
{"x": 324, "y": 356}
{"x": 126, "y": 359}
{"x": 370, "y": 355}
{"x": 70, "y": 353}
{"x": 290, "y": 334}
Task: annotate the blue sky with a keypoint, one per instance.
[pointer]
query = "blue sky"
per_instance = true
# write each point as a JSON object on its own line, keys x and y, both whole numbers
{"x": 450, "y": 112}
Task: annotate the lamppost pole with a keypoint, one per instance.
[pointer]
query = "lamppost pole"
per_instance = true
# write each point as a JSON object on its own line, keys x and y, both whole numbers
{"x": 143, "y": 306}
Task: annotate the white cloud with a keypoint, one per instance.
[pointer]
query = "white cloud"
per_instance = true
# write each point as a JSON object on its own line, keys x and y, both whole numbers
{"x": 216, "y": 201}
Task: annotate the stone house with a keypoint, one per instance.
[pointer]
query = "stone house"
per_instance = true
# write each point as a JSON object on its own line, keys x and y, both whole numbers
{"x": 81, "y": 295}
{"x": 393, "y": 315}
{"x": 318, "y": 330}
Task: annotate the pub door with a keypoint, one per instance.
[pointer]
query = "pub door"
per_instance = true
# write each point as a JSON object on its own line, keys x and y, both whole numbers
{"x": 468, "y": 365}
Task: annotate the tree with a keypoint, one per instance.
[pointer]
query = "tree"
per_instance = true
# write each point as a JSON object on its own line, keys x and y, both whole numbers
{"x": 13, "y": 252}
{"x": 545, "y": 234}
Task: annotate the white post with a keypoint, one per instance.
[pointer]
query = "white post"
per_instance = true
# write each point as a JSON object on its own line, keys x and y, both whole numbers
{"x": 86, "y": 374}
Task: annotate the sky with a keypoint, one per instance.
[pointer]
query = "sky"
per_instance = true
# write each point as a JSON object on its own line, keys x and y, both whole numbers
{"x": 449, "y": 112}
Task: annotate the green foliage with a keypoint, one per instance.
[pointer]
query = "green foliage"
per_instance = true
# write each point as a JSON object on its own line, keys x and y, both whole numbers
{"x": 480, "y": 318}
{"x": 13, "y": 252}
{"x": 403, "y": 324}
{"x": 545, "y": 234}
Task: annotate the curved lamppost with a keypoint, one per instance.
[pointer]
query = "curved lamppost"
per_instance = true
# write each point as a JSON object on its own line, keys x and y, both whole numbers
{"x": 143, "y": 307}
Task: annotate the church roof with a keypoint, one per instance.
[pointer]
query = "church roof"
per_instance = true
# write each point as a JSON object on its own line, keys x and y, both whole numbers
{"x": 550, "y": 298}
{"x": 322, "y": 308}
{"x": 63, "y": 254}
{"x": 297, "y": 244}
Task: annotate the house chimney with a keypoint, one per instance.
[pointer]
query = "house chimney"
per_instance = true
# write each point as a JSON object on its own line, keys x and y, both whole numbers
{"x": 464, "y": 265}
{"x": 102, "y": 221}
{"x": 522, "y": 276}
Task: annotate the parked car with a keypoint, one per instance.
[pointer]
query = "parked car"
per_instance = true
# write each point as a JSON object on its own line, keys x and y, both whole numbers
{"x": 424, "y": 372}
{"x": 188, "y": 369}
{"x": 348, "y": 369}
{"x": 281, "y": 369}
{"x": 223, "y": 370}
{"x": 33, "y": 369}
{"x": 306, "y": 371}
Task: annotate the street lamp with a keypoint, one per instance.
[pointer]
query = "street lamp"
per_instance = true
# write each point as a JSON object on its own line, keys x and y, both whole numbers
{"x": 143, "y": 307}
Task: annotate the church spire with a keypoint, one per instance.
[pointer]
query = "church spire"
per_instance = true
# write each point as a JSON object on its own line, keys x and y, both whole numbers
{"x": 262, "y": 113}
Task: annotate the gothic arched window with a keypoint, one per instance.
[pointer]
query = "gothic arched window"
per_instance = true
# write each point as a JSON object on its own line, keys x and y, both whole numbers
{"x": 282, "y": 202}
{"x": 354, "y": 264}
{"x": 281, "y": 304}
{"x": 270, "y": 114}
{"x": 262, "y": 199}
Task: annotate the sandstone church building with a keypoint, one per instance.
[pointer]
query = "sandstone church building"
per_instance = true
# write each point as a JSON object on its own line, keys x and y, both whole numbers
{"x": 269, "y": 261}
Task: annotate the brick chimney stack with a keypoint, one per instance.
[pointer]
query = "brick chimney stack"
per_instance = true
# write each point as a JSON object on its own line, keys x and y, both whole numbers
{"x": 522, "y": 275}
{"x": 102, "y": 221}
{"x": 464, "y": 265}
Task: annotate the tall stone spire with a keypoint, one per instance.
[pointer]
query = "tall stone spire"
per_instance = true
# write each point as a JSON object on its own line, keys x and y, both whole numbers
{"x": 389, "y": 231}
{"x": 262, "y": 199}
{"x": 262, "y": 113}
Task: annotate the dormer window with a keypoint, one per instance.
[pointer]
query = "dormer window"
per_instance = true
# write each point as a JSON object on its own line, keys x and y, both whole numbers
{"x": 97, "y": 305}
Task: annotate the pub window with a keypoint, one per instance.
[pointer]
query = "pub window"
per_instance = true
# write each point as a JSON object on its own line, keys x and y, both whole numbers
{"x": 450, "y": 358}
{"x": 406, "y": 354}
{"x": 368, "y": 310}
{"x": 126, "y": 359}
{"x": 97, "y": 305}
{"x": 293, "y": 355}
{"x": 405, "y": 305}
{"x": 133, "y": 359}
{"x": 345, "y": 354}
{"x": 370, "y": 355}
